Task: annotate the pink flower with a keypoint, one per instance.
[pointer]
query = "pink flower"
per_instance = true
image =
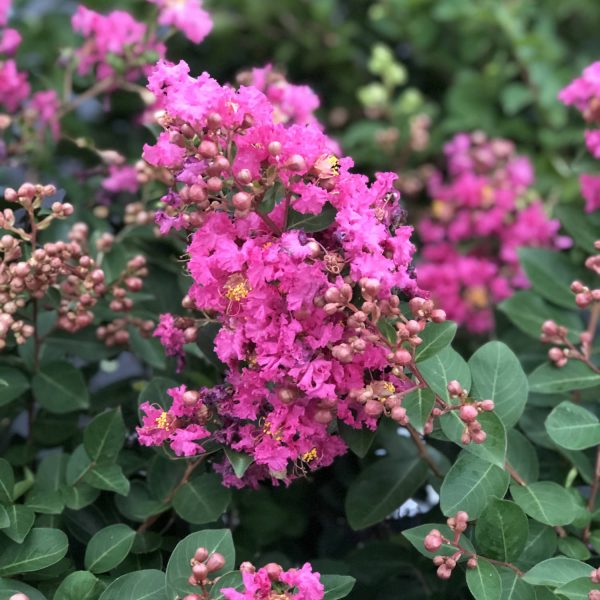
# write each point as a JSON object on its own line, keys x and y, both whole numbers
{"x": 14, "y": 88}
{"x": 186, "y": 15}
{"x": 592, "y": 140}
{"x": 582, "y": 90}
{"x": 4, "y": 10}
{"x": 590, "y": 190}
{"x": 45, "y": 105}
{"x": 121, "y": 178}
{"x": 10, "y": 41}
{"x": 171, "y": 337}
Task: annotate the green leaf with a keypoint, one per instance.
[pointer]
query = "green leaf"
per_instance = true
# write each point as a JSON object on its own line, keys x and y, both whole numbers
{"x": 312, "y": 223}
{"x": 337, "y": 586}
{"x": 502, "y": 530}
{"x": 513, "y": 587}
{"x": 358, "y": 440}
{"x": 21, "y": 521}
{"x": 469, "y": 484}
{"x": 416, "y": 536}
{"x": 274, "y": 195}
{"x": 149, "y": 350}
{"x": 577, "y": 589}
{"x": 418, "y": 405}
{"x": 12, "y": 384}
{"x": 497, "y": 375}
{"x": 584, "y": 228}
{"x": 108, "y": 477}
{"x": 573, "y": 548}
{"x": 79, "y": 496}
{"x": 528, "y": 311}
{"x": 541, "y": 544}
{"x": 521, "y": 456}
{"x": 444, "y": 367}
{"x": 138, "y": 505}
{"x": 103, "y": 438}
{"x": 108, "y": 548}
{"x": 45, "y": 501}
{"x": 556, "y": 572}
{"x": 80, "y": 585}
{"x": 8, "y": 587}
{"x": 548, "y": 379}
{"x": 233, "y": 579}
{"x": 493, "y": 449}
{"x": 4, "y": 519}
{"x": 60, "y": 388}
{"x": 7, "y": 481}
{"x": 155, "y": 392}
{"x": 550, "y": 274}
{"x": 573, "y": 427}
{"x": 40, "y": 549}
{"x": 387, "y": 329}
{"x": 202, "y": 500}
{"x": 484, "y": 581}
{"x": 546, "y": 502}
{"x": 436, "y": 337}
{"x": 240, "y": 461}
{"x": 381, "y": 488}
{"x": 148, "y": 584}
{"x": 178, "y": 568}
{"x": 78, "y": 464}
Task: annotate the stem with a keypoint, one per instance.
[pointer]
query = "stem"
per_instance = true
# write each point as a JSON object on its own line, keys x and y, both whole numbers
{"x": 593, "y": 494}
{"x": 169, "y": 497}
{"x": 422, "y": 448}
{"x": 101, "y": 86}
{"x": 513, "y": 473}
{"x": 500, "y": 563}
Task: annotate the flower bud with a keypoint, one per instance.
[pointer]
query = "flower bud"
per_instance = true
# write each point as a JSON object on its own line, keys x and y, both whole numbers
{"x": 273, "y": 571}
{"x": 242, "y": 200}
{"x": 274, "y": 148}
{"x": 433, "y": 541}
{"x": 323, "y": 416}
{"x": 200, "y": 572}
{"x": 468, "y": 413}
{"x": 438, "y": 315}
{"x": 472, "y": 563}
{"x": 373, "y": 408}
{"x": 454, "y": 388}
{"x": 19, "y": 596}
{"x": 244, "y": 176}
{"x": 208, "y": 149}
{"x": 215, "y": 562}
{"x": 487, "y": 405}
{"x": 296, "y": 163}
{"x": 190, "y": 398}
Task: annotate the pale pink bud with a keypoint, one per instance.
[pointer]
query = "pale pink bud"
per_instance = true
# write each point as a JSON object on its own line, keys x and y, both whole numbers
{"x": 454, "y": 388}
{"x": 274, "y": 148}
{"x": 208, "y": 149}
{"x": 200, "y": 572}
{"x": 373, "y": 408}
{"x": 487, "y": 405}
{"x": 444, "y": 572}
{"x": 438, "y": 315}
{"x": 273, "y": 571}
{"x": 468, "y": 413}
{"x": 433, "y": 541}
{"x": 215, "y": 562}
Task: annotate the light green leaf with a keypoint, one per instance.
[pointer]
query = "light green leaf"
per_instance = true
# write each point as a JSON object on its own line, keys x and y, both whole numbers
{"x": 497, "y": 375}
{"x": 577, "y": 589}
{"x": 418, "y": 405}
{"x": 240, "y": 461}
{"x": 80, "y": 585}
{"x": 573, "y": 427}
{"x": 548, "y": 379}
{"x": 436, "y": 337}
{"x": 546, "y": 502}
{"x": 233, "y": 579}
{"x": 444, "y": 367}
{"x": 556, "y": 572}
{"x": 416, "y": 536}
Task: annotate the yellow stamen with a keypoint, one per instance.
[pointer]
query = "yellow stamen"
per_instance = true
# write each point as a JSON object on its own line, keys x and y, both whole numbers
{"x": 389, "y": 386}
{"x": 477, "y": 296}
{"x": 162, "y": 421}
{"x": 237, "y": 288}
{"x": 275, "y": 435}
{"x": 310, "y": 455}
{"x": 487, "y": 195}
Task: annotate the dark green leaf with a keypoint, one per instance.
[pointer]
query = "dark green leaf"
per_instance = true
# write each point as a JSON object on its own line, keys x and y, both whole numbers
{"x": 358, "y": 440}
{"x": 546, "y": 502}
{"x": 41, "y": 548}
{"x": 143, "y": 585}
{"x": 108, "y": 477}
{"x": 202, "y": 500}
{"x": 8, "y": 587}
{"x": 60, "y": 388}
{"x": 436, "y": 336}
{"x": 273, "y": 196}
{"x": 12, "y": 384}
{"x": 21, "y": 520}
{"x": 548, "y": 379}
{"x": 103, "y": 438}
{"x": 444, "y": 367}
{"x": 149, "y": 350}
{"x": 233, "y": 579}
{"x": 484, "y": 581}
{"x": 108, "y": 548}
{"x": 418, "y": 405}
{"x": 7, "y": 481}
{"x": 502, "y": 530}
{"x": 80, "y": 585}
{"x": 416, "y": 536}
{"x": 240, "y": 461}
{"x": 381, "y": 488}
{"x": 312, "y": 223}
{"x": 337, "y": 586}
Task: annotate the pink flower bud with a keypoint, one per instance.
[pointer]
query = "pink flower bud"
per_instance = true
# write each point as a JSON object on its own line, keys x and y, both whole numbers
{"x": 274, "y": 148}
{"x": 214, "y": 185}
{"x": 555, "y": 354}
{"x": 577, "y": 287}
{"x": 247, "y": 567}
{"x": 242, "y": 200}
{"x": 200, "y": 572}
{"x": 472, "y": 563}
{"x": 323, "y": 416}
{"x": 438, "y": 315}
{"x": 296, "y": 163}
{"x": 208, "y": 149}
{"x": 244, "y": 176}
{"x": 454, "y": 388}
{"x": 19, "y": 596}
{"x": 398, "y": 414}
{"x": 215, "y": 562}
{"x": 433, "y": 541}
{"x": 373, "y": 408}
{"x": 343, "y": 353}
{"x": 190, "y": 398}
{"x": 273, "y": 571}
{"x": 444, "y": 572}
{"x": 478, "y": 437}
{"x": 402, "y": 356}
{"x": 468, "y": 413}
{"x": 487, "y": 405}
{"x": 549, "y": 328}
{"x": 10, "y": 195}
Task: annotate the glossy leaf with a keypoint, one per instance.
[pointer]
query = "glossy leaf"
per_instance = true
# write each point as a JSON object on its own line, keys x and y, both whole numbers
{"x": 41, "y": 548}
{"x": 202, "y": 499}
{"x": 573, "y": 427}
{"x": 436, "y": 337}
{"x": 546, "y": 502}
{"x": 484, "y": 581}
{"x": 60, "y": 388}
{"x": 108, "y": 548}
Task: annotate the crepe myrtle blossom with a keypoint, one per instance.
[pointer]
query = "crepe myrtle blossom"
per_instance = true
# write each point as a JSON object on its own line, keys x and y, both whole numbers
{"x": 187, "y": 16}
{"x": 482, "y": 212}
{"x": 114, "y": 44}
{"x": 302, "y": 262}
{"x": 584, "y": 94}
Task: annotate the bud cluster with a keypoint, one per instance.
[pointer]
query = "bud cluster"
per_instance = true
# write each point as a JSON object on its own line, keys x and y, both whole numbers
{"x": 28, "y": 271}
{"x": 563, "y": 348}
{"x": 434, "y": 540}
{"x": 204, "y": 563}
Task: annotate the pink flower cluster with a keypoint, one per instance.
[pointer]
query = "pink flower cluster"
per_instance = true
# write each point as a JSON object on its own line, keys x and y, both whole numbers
{"x": 271, "y": 581}
{"x": 299, "y": 260}
{"x": 14, "y": 87}
{"x": 584, "y": 94}
{"x": 114, "y": 44}
{"x": 186, "y": 15}
{"x": 481, "y": 214}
